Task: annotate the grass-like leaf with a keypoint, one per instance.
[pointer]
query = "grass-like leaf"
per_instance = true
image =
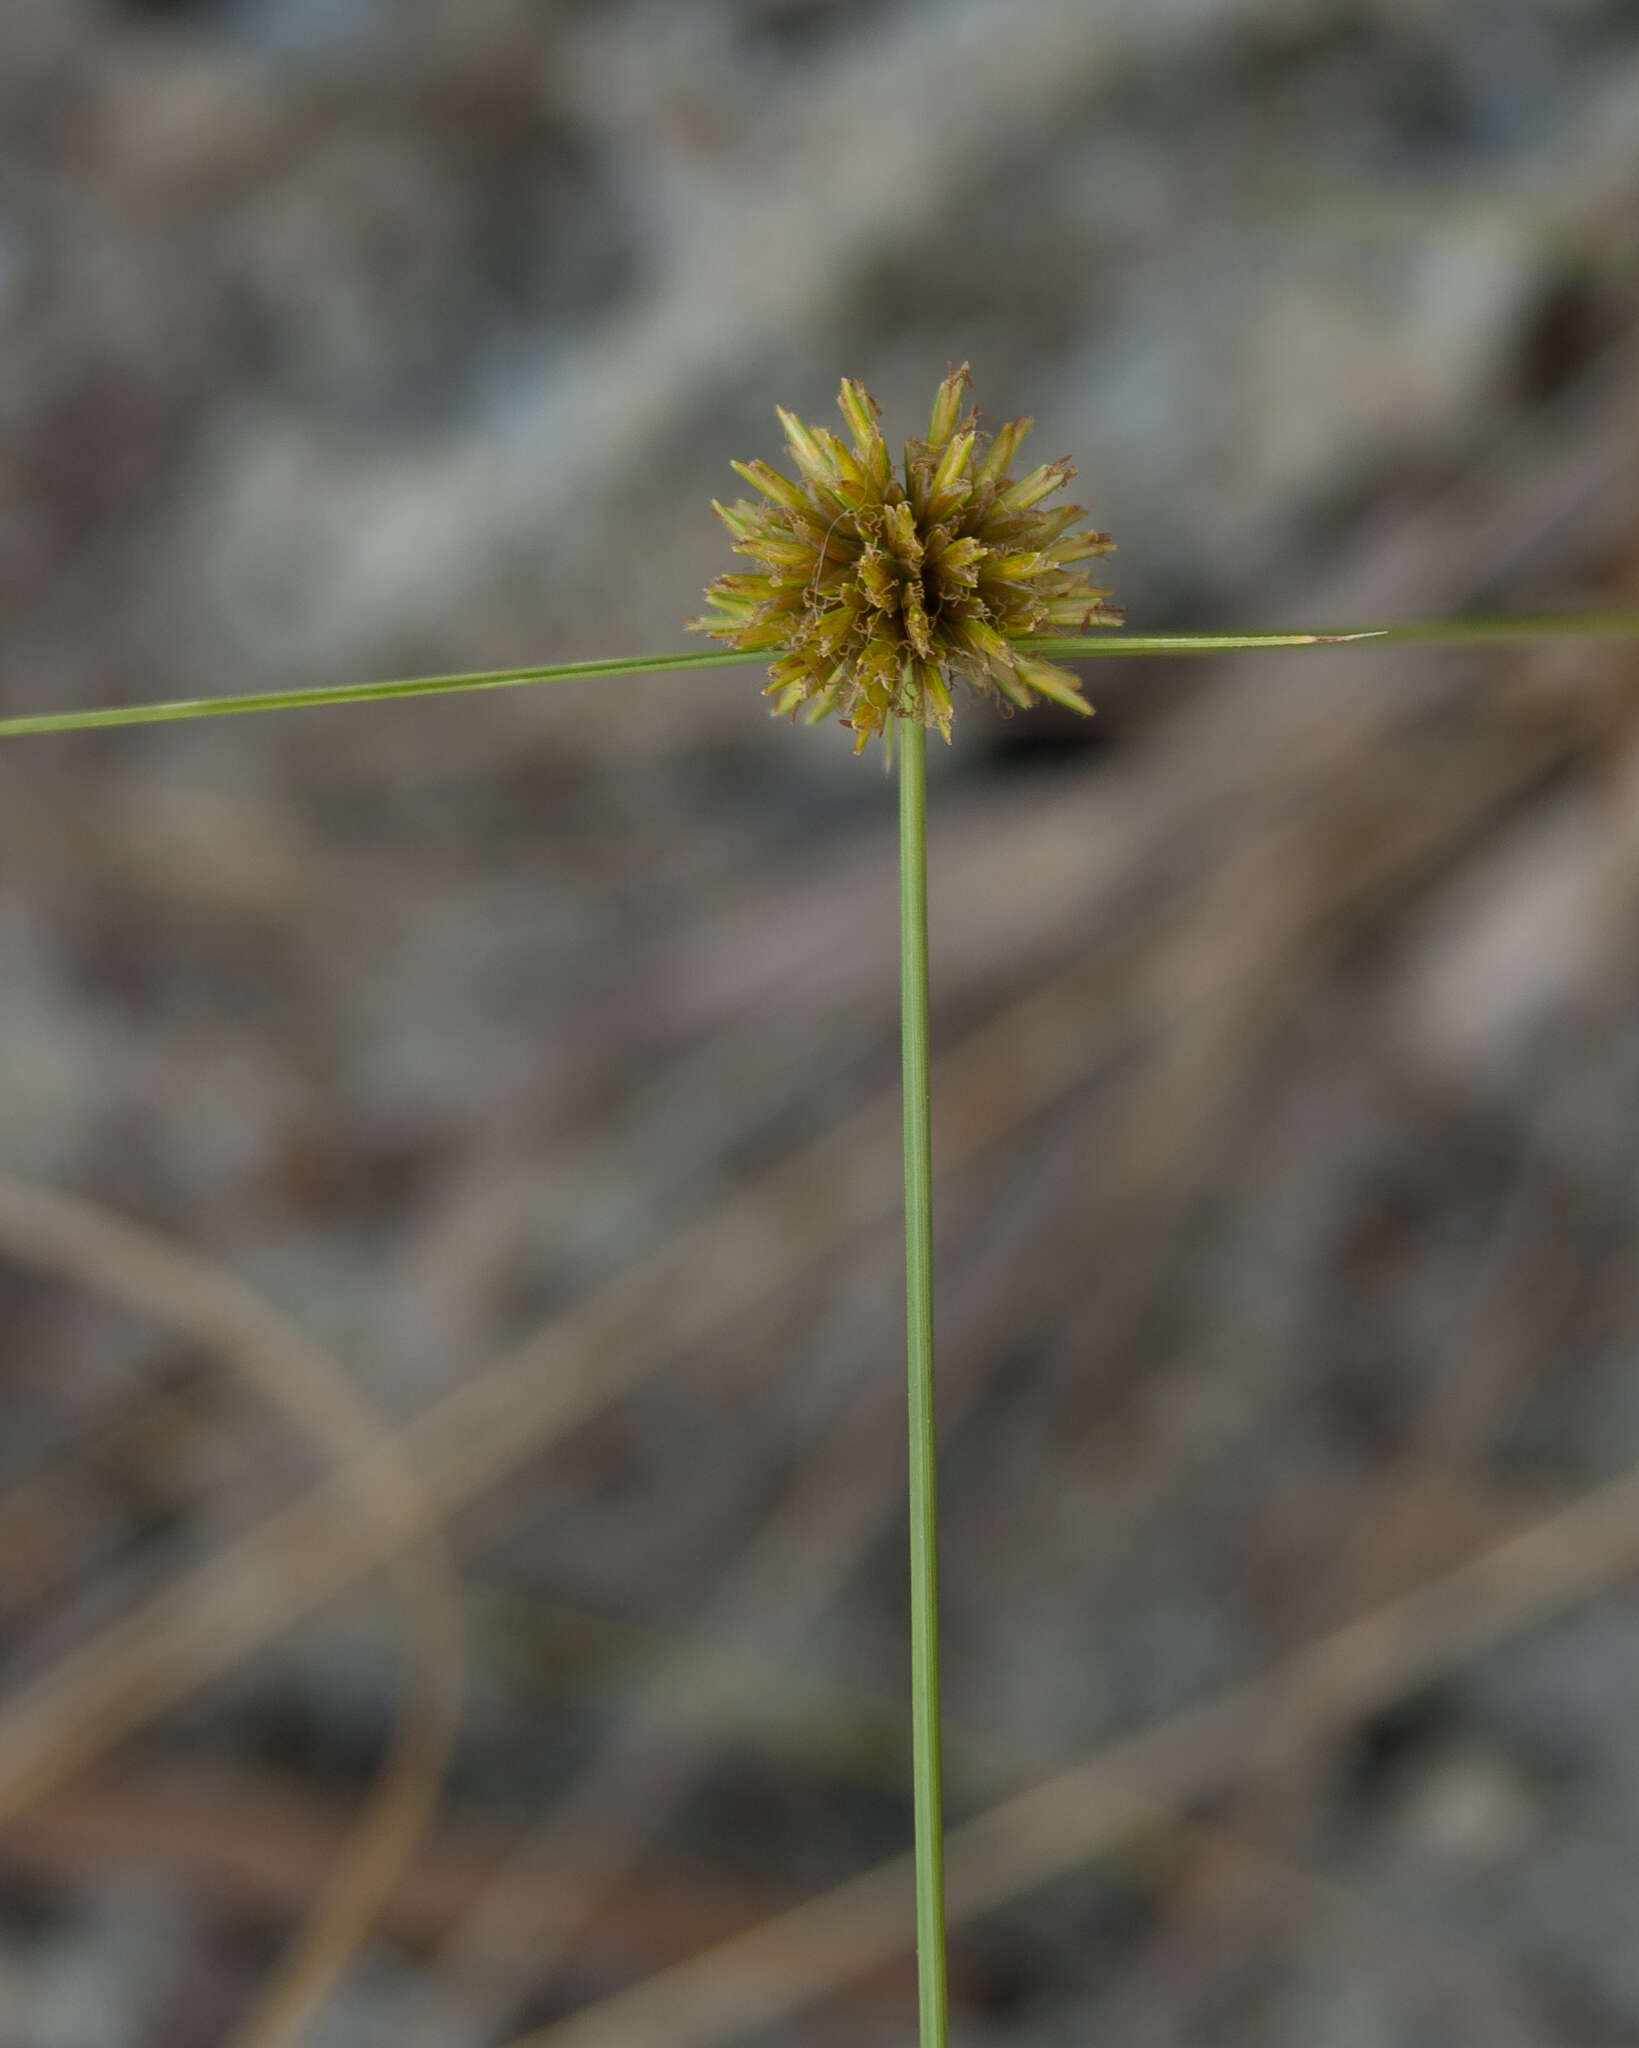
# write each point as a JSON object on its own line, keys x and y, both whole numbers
{"x": 1608, "y": 625}
{"x": 359, "y": 693}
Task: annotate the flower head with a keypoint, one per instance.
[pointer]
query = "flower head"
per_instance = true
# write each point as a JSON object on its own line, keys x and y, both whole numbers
{"x": 874, "y": 588}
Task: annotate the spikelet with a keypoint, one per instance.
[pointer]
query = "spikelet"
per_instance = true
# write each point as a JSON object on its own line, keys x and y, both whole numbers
{"x": 873, "y": 589}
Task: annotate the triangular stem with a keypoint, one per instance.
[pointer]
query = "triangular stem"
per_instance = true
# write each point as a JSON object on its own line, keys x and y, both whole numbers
{"x": 924, "y": 1511}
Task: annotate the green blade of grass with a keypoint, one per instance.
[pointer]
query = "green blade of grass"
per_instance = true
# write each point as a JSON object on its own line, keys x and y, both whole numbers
{"x": 362, "y": 693}
{"x": 1609, "y": 625}
{"x": 1605, "y": 625}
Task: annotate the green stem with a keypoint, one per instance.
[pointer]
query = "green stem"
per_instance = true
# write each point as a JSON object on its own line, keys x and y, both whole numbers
{"x": 1610, "y": 625}
{"x": 912, "y": 739}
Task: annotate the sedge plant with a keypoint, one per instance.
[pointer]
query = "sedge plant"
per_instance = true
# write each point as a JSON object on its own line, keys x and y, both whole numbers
{"x": 875, "y": 588}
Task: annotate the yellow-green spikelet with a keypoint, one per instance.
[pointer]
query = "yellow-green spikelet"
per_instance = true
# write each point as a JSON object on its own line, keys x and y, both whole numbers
{"x": 874, "y": 589}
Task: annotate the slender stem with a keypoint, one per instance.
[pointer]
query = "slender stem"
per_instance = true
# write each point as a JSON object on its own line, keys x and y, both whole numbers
{"x": 924, "y": 1505}
{"x": 1610, "y": 625}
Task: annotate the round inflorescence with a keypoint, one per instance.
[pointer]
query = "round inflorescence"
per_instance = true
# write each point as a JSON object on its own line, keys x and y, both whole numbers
{"x": 874, "y": 588}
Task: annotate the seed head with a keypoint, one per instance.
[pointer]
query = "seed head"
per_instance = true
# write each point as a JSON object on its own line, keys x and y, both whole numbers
{"x": 874, "y": 589}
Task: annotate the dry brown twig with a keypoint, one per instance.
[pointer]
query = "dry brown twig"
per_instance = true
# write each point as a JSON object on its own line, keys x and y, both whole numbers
{"x": 148, "y": 1276}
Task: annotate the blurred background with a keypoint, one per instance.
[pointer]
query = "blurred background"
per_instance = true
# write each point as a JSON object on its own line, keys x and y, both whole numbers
{"x": 535, "y": 1056}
